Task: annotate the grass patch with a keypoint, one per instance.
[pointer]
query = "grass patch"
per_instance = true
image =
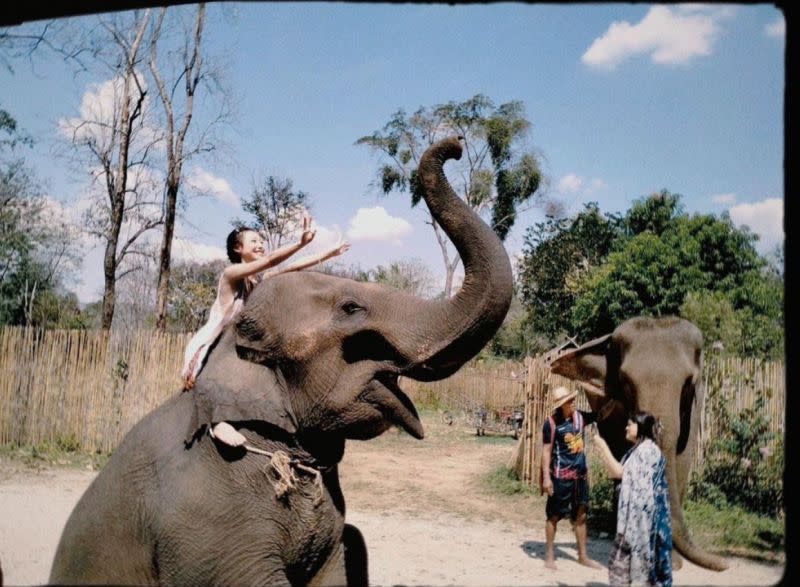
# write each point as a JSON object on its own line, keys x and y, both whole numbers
{"x": 503, "y": 480}
{"x": 64, "y": 452}
{"x": 735, "y": 531}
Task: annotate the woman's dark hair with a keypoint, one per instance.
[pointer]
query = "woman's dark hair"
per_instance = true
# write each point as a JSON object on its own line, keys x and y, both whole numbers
{"x": 235, "y": 239}
{"x": 646, "y": 425}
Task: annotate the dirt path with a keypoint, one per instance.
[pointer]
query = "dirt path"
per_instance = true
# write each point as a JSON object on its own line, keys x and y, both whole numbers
{"x": 421, "y": 506}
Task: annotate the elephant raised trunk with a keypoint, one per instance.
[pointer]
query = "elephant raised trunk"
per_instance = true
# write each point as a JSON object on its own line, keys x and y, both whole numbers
{"x": 458, "y": 328}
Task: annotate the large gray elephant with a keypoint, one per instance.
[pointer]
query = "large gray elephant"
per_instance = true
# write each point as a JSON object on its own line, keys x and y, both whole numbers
{"x": 651, "y": 364}
{"x": 318, "y": 357}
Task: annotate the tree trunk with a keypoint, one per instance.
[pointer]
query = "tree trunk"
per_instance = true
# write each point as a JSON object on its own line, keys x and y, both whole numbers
{"x": 165, "y": 258}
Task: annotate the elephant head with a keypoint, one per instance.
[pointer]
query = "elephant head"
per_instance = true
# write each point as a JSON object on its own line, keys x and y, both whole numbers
{"x": 331, "y": 349}
{"x": 650, "y": 364}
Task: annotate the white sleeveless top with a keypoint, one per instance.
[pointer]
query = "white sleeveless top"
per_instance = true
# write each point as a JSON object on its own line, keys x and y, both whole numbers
{"x": 220, "y": 316}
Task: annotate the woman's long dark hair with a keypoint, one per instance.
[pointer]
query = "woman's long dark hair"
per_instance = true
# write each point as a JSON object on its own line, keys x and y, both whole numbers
{"x": 234, "y": 240}
{"x": 647, "y": 426}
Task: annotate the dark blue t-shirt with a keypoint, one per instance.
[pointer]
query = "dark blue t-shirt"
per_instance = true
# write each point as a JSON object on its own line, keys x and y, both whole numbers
{"x": 568, "y": 460}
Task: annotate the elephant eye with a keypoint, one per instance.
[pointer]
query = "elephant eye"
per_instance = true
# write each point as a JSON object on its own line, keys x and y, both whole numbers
{"x": 351, "y": 307}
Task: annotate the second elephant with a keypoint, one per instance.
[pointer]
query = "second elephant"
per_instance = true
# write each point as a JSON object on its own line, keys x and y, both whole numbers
{"x": 655, "y": 365}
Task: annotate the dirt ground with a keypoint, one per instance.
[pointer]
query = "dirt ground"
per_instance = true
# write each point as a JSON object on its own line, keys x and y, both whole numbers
{"x": 422, "y": 506}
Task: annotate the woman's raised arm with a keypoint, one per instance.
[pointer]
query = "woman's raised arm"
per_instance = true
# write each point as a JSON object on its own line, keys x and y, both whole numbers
{"x": 312, "y": 260}
{"x": 239, "y": 271}
{"x": 613, "y": 466}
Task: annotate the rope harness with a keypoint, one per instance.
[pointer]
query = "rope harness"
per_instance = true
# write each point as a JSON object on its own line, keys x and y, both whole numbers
{"x": 280, "y": 470}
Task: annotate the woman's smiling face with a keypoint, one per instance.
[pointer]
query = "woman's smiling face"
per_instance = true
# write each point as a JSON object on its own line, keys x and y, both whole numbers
{"x": 251, "y": 246}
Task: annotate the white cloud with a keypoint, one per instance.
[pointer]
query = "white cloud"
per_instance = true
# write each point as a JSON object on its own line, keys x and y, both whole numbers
{"x": 596, "y": 185}
{"x": 765, "y": 218}
{"x": 98, "y": 115}
{"x": 207, "y": 182}
{"x": 724, "y": 199}
{"x": 375, "y": 224}
{"x": 670, "y": 35}
{"x": 575, "y": 184}
{"x": 187, "y": 250}
{"x": 777, "y": 29}
{"x": 570, "y": 184}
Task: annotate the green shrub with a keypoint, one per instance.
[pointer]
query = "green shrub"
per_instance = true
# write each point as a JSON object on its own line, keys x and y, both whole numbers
{"x": 602, "y": 500}
{"x": 744, "y": 464}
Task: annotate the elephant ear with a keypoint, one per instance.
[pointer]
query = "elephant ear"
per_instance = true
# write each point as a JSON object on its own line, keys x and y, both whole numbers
{"x": 239, "y": 384}
{"x": 587, "y": 365}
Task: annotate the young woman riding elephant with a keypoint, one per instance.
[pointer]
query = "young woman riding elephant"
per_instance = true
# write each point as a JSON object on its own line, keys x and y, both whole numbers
{"x": 312, "y": 360}
{"x": 245, "y": 249}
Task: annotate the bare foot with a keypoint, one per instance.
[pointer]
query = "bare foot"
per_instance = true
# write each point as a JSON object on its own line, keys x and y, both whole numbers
{"x": 228, "y": 434}
{"x": 550, "y": 564}
{"x": 587, "y": 562}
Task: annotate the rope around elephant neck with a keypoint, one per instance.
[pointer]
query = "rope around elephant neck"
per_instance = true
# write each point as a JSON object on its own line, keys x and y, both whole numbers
{"x": 284, "y": 465}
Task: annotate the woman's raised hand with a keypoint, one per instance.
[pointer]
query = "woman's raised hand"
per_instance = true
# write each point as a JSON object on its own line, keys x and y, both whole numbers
{"x": 308, "y": 232}
{"x": 343, "y": 248}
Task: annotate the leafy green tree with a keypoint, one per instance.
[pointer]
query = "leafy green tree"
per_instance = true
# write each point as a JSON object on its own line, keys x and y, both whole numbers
{"x": 646, "y": 277}
{"x": 497, "y": 176}
{"x": 557, "y": 255}
{"x": 654, "y": 214}
{"x": 714, "y": 315}
{"x": 36, "y": 247}
{"x": 654, "y": 260}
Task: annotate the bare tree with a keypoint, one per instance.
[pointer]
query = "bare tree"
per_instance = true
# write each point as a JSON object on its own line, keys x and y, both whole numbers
{"x": 117, "y": 143}
{"x": 50, "y": 38}
{"x": 190, "y": 74}
{"x": 410, "y": 275}
{"x": 276, "y": 207}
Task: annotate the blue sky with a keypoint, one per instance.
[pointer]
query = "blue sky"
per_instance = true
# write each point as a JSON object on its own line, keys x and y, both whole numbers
{"x": 625, "y": 99}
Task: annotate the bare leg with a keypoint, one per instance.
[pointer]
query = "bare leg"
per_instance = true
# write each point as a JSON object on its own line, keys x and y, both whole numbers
{"x": 226, "y": 433}
{"x": 580, "y": 536}
{"x": 550, "y": 536}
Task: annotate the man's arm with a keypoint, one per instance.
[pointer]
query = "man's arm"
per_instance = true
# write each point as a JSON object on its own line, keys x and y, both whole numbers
{"x": 547, "y": 452}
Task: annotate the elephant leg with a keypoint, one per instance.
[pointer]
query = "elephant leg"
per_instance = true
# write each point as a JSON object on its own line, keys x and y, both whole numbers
{"x": 348, "y": 564}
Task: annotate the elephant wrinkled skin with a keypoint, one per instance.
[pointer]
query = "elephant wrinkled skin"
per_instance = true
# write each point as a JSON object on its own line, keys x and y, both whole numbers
{"x": 655, "y": 365}
{"x": 312, "y": 360}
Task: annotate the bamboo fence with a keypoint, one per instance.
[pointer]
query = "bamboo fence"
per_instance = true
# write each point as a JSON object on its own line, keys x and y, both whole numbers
{"x": 88, "y": 388}
{"x": 82, "y": 388}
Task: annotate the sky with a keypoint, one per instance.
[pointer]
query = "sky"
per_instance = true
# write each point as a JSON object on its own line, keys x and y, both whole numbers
{"x": 624, "y": 100}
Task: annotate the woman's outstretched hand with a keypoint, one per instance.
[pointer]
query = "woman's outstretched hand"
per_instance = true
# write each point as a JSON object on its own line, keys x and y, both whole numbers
{"x": 308, "y": 231}
{"x": 343, "y": 248}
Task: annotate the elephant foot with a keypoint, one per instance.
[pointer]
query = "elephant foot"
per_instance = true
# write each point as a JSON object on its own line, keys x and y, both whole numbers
{"x": 226, "y": 433}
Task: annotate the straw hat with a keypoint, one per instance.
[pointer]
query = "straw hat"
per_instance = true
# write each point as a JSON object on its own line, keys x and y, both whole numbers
{"x": 561, "y": 395}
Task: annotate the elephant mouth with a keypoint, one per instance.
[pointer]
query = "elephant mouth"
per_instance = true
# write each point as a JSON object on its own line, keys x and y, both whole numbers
{"x": 385, "y": 395}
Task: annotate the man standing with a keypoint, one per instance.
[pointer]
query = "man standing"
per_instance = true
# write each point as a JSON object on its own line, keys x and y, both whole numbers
{"x": 564, "y": 472}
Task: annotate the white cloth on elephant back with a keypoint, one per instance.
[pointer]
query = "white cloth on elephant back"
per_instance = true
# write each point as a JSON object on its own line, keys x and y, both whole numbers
{"x": 219, "y": 316}
{"x": 644, "y": 534}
